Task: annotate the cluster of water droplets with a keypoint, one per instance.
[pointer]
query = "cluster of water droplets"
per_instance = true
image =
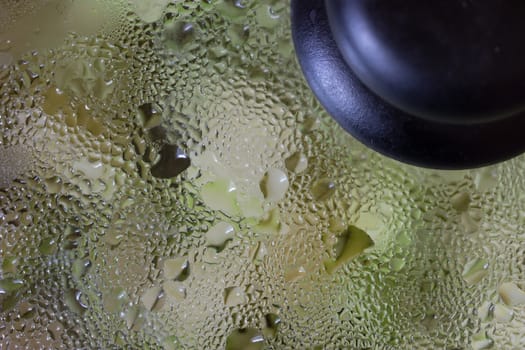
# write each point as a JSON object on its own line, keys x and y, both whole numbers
{"x": 168, "y": 181}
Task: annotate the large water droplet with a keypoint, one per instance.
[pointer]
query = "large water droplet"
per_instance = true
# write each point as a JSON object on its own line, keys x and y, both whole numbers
{"x": 74, "y": 299}
{"x": 481, "y": 341}
{"x": 511, "y": 294}
{"x": 175, "y": 289}
{"x": 475, "y": 270}
{"x": 177, "y": 268}
{"x": 502, "y": 313}
{"x": 323, "y": 189}
{"x": 351, "y": 244}
{"x": 297, "y": 163}
{"x": 234, "y": 296}
{"x": 219, "y": 234}
{"x": 273, "y": 322}
{"x": 173, "y": 161}
{"x": 9, "y": 285}
{"x": 153, "y": 298}
{"x": 274, "y": 185}
{"x": 221, "y": 195}
{"x": 245, "y": 339}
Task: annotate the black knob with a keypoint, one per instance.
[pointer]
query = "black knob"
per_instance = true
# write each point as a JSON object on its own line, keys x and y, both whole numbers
{"x": 438, "y": 84}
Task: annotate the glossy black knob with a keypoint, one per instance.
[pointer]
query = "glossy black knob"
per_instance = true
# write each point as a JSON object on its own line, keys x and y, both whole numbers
{"x": 438, "y": 84}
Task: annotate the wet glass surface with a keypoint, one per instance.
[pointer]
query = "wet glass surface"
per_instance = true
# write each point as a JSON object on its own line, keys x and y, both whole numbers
{"x": 168, "y": 181}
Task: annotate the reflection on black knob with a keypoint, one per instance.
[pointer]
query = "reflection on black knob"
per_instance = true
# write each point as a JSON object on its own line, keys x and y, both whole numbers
{"x": 438, "y": 84}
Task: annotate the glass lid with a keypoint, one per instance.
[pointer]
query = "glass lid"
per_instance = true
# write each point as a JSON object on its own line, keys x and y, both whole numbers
{"x": 168, "y": 180}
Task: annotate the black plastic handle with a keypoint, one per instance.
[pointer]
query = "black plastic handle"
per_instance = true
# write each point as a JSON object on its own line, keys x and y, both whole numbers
{"x": 438, "y": 84}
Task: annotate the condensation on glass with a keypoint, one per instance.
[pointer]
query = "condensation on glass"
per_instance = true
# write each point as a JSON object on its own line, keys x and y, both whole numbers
{"x": 168, "y": 181}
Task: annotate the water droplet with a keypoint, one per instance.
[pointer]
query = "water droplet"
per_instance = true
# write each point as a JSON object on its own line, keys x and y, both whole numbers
{"x": 234, "y": 296}
{"x": 274, "y": 185}
{"x": 323, "y": 189}
{"x": 55, "y": 100}
{"x": 486, "y": 179}
{"x": 234, "y": 10}
{"x": 486, "y": 311}
{"x": 74, "y": 299}
{"x": 48, "y": 246}
{"x": 171, "y": 343}
{"x": 9, "y": 285}
{"x": 79, "y": 268}
{"x": 9, "y": 264}
{"x": 297, "y": 163}
{"x": 173, "y": 161}
{"x": 511, "y": 294}
{"x": 179, "y": 36}
{"x": 221, "y": 195}
{"x": 54, "y": 185}
{"x": 469, "y": 223}
{"x": 266, "y": 17}
{"x": 245, "y": 339}
{"x": 219, "y": 234}
{"x": 294, "y": 273}
{"x": 270, "y": 223}
{"x": 250, "y": 206}
{"x": 114, "y": 236}
{"x": 177, "y": 268}
{"x": 120, "y": 339}
{"x": 258, "y": 252}
{"x": 481, "y": 341}
{"x": 114, "y": 299}
{"x": 153, "y": 299}
{"x": 370, "y": 221}
{"x": 135, "y": 317}
{"x": 273, "y": 322}
{"x": 211, "y": 256}
{"x": 55, "y": 330}
{"x": 502, "y": 313}
{"x": 397, "y": 264}
{"x": 26, "y": 310}
{"x": 460, "y": 202}
{"x": 175, "y": 289}
{"x": 351, "y": 244}
{"x": 475, "y": 270}
{"x": 150, "y": 10}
